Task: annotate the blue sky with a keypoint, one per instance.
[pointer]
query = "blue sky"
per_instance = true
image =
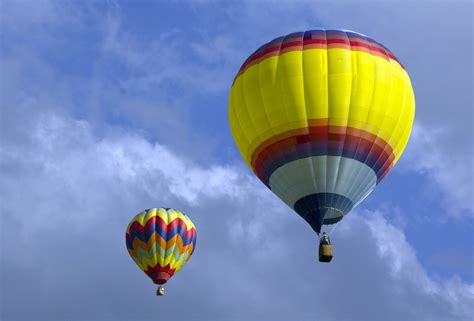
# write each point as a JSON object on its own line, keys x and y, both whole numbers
{"x": 111, "y": 107}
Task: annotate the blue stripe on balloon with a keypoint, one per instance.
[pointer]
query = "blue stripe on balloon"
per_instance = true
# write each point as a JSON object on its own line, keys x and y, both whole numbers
{"x": 144, "y": 237}
{"x": 310, "y": 149}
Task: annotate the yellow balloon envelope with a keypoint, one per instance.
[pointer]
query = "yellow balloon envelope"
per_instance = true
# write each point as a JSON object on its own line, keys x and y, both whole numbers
{"x": 321, "y": 117}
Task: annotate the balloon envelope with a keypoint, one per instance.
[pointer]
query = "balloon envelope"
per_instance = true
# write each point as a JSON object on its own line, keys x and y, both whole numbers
{"x": 321, "y": 117}
{"x": 160, "y": 241}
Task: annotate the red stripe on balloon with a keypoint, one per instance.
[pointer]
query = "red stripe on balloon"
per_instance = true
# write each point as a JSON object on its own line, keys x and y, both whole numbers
{"x": 360, "y": 144}
{"x": 331, "y": 42}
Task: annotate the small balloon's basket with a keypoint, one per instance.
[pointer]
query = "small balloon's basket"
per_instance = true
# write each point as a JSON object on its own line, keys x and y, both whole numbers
{"x": 325, "y": 253}
{"x": 160, "y": 291}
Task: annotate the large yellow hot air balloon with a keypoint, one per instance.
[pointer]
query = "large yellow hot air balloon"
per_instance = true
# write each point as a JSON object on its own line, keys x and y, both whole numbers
{"x": 321, "y": 117}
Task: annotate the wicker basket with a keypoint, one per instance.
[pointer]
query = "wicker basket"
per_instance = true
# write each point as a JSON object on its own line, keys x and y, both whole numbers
{"x": 325, "y": 253}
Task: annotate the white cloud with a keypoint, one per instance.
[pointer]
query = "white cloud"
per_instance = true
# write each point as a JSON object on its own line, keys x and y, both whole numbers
{"x": 66, "y": 152}
{"x": 72, "y": 176}
{"x": 452, "y": 169}
{"x": 413, "y": 294}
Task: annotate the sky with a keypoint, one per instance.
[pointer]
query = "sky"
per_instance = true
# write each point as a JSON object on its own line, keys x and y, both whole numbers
{"x": 112, "y": 107}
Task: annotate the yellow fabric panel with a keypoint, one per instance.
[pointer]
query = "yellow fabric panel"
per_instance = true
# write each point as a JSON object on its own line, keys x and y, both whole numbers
{"x": 273, "y": 106}
{"x": 339, "y": 85}
{"x": 379, "y": 98}
{"x": 315, "y": 72}
{"x": 253, "y": 97}
{"x": 401, "y": 136}
{"x": 275, "y": 96}
{"x": 239, "y": 135}
{"x": 289, "y": 82}
{"x": 242, "y": 120}
{"x": 271, "y": 96}
{"x": 350, "y": 88}
{"x": 362, "y": 88}
{"x": 268, "y": 98}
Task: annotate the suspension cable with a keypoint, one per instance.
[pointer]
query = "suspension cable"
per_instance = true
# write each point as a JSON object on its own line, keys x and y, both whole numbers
{"x": 333, "y": 228}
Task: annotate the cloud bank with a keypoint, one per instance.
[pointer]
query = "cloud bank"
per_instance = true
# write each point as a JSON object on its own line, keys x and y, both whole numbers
{"x": 255, "y": 259}
{"x": 100, "y": 121}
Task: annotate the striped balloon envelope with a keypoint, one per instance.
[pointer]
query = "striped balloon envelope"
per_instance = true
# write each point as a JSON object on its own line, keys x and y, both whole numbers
{"x": 321, "y": 117}
{"x": 160, "y": 241}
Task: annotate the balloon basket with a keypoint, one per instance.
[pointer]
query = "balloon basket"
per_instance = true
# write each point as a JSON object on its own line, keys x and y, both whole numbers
{"x": 160, "y": 291}
{"x": 325, "y": 253}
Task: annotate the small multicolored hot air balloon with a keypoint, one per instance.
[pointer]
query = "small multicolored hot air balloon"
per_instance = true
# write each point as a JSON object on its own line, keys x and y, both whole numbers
{"x": 321, "y": 117}
{"x": 160, "y": 241}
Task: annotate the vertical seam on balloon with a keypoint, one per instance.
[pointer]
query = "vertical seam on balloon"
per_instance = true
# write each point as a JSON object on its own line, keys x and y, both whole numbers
{"x": 173, "y": 261}
{"x": 407, "y": 130}
{"x": 406, "y": 87}
{"x": 279, "y": 84}
{"x": 285, "y": 109}
{"x": 358, "y": 183}
{"x": 193, "y": 241}
{"x": 155, "y": 231}
{"x": 242, "y": 132}
{"x": 324, "y": 160}
{"x": 386, "y": 99}
{"x": 400, "y": 114}
{"x": 309, "y": 159}
{"x": 411, "y": 116}
{"x": 265, "y": 111}
{"x": 259, "y": 88}
{"x": 363, "y": 129}
{"x": 329, "y": 159}
{"x": 171, "y": 247}
{"x": 234, "y": 126}
{"x": 156, "y": 257}
{"x": 345, "y": 128}
{"x": 328, "y": 104}
{"x": 165, "y": 238}
{"x": 143, "y": 235}
{"x": 347, "y": 208}
{"x": 334, "y": 158}
{"x": 387, "y": 116}
{"x": 246, "y": 110}
{"x": 139, "y": 261}
{"x": 254, "y": 125}
{"x": 179, "y": 230}
{"x": 239, "y": 130}
{"x": 242, "y": 111}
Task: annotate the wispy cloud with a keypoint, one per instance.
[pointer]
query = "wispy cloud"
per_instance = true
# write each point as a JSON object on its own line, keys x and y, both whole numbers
{"x": 451, "y": 169}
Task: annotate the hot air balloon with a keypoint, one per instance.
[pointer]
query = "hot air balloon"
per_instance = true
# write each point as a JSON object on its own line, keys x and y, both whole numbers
{"x": 321, "y": 117}
{"x": 160, "y": 241}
